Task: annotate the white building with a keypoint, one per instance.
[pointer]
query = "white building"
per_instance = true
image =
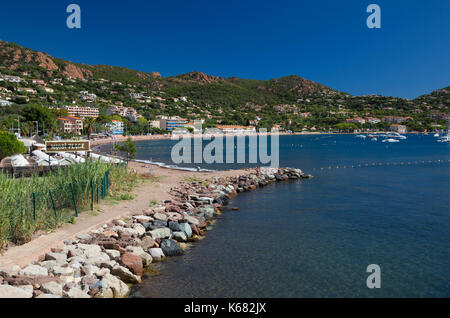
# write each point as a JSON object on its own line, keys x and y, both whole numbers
{"x": 5, "y": 102}
{"x": 116, "y": 127}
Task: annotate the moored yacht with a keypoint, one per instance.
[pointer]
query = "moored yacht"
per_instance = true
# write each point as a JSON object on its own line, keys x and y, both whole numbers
{"x": 391, "y": 140}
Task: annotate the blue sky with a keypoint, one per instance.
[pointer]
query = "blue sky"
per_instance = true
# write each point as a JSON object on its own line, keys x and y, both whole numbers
{"x": 324, "y": 41}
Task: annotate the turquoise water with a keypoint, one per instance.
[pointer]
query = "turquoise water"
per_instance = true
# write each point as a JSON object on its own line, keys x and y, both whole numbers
{"x": 315, "y": 238}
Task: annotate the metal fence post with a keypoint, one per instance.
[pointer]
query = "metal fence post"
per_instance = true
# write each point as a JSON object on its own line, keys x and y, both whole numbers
{"x": 53, "y": 203}
{"x": 103, "y": 187}
{"x": 92, "y": 195}
{"x": 73, "y": 199}
{"x": 34, "y": 206}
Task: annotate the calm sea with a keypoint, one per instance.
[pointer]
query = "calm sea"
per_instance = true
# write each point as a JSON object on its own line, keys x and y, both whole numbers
{"x": 369, "y": 203}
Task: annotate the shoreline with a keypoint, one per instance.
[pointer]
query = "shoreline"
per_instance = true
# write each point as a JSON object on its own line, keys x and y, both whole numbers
{"x": 109, "y": 140}
{"x": 101, "y": 259}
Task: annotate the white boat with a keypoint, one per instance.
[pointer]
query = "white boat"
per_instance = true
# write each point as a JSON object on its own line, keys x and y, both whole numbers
{"x": 446, "y": 138}
{"x": 374, "y": 139}
{"x": 391, "y": 140}
{"x": 436, "y": 135}
{"x": 396, "y": 135}
{"x": 361, "y": 136}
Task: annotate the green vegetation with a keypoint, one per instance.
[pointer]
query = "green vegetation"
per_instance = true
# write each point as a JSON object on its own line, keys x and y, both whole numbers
{"x": 291, "y": 102}
{"x": 28, "y": 204}
{"x": 9, "y": 145}
{"x": 129, "y": 148}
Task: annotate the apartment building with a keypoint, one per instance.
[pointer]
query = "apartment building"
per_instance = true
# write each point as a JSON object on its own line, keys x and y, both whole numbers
{"x": 236, "y": 129}
{"x": 82, "y": 112}
{"x": 71, "y": 125}
{"x": 171, "y": 123}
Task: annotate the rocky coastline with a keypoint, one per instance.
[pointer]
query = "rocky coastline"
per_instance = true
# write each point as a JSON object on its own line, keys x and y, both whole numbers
{"x": 106, "y": 261}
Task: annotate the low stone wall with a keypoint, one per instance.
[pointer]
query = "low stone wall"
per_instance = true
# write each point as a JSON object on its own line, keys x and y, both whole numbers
{"x": 104, "y": 262}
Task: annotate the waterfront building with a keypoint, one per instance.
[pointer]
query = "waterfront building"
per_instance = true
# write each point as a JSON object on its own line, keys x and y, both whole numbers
{"x": 171, "y": 123}
{"x": 116, "y": 127}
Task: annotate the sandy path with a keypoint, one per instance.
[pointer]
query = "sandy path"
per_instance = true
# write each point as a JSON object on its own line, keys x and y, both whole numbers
{"x": 144, "y": 194}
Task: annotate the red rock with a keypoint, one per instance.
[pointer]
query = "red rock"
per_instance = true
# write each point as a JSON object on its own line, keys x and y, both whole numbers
{"x": 71, "y": 254}
{"x": 26, "y": 280}
{"x": 56, "y": 250}
{"x": 41, "y": 258}
{"x": 134, "y": 263}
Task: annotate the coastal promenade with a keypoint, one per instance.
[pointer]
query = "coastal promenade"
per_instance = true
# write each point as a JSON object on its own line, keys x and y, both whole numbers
{"x": 159, "y": 190}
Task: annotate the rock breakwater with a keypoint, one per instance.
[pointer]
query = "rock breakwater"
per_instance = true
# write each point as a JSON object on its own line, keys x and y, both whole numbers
{"x": 103, "y": 262}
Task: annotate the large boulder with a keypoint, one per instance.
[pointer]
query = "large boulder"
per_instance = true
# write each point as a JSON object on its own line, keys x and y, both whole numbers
{"x": 139, "y": 251}
{"x": 7, "y": 291}
{"x": 62, "y": 271}
{"x": 171, "y": 248}
{"x": 147, "y": 242}
{"x": 207, "y": 211}
{"x": 192, "y": 220}
{"x": 34, "y": 270}
{"x": 133, "y": 262}
{"x": 160, "y": 233}
{"x": 186, "y": 228}
{"x": 179, "y": 236}
{"x": 160, "y": 216}
{"x": 157, "y": 254}
{"x": 119, "y": 288}
{"x": 157, "y": 224}
{"x": 52, "y": 288}
{"x": 139, "y": 228}
{"x": 175, "y": 226}
{"x": 125, "y": 275}
{"x": 98, "y": 259}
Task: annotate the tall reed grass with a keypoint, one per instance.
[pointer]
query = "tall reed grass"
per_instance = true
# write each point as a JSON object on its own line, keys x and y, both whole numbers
{"x": 18, "y": 222}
